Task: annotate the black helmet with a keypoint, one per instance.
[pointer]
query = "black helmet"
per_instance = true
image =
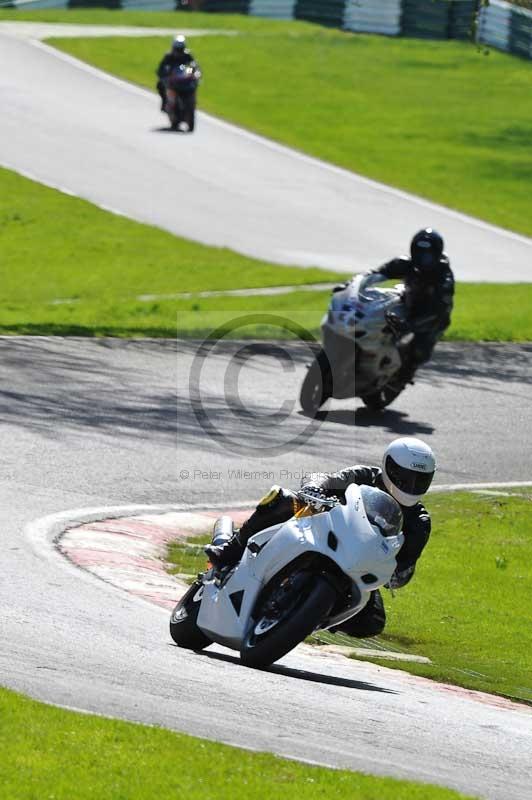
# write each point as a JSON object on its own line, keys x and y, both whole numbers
{"x": 179, "y": 43}
{"x": 426, "y": 249}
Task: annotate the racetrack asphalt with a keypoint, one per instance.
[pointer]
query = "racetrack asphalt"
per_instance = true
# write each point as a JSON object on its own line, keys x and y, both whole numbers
{"x": 104, "y": 140}
{"x": 106, "y": 422}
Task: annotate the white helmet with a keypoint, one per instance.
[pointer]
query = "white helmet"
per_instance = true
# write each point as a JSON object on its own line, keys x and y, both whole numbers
{"x": 179, "y": 43}
{"x": 408, "y": 467}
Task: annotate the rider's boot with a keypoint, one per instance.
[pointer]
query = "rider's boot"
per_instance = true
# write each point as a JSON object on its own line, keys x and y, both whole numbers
{"x": 405, "y": 374}
{"x": 277, "y": 506}
{"x": 368, "y": 622}
{"x": 226, "y": 554}
{"x": 416, "y": 354}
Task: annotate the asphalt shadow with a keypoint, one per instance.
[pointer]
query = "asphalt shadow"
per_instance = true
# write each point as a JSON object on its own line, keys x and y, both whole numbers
{"x": 56, "y": 386}
{"x": 389, "y": 419}
{"x": 303, "y": 674}
{"x": 168, "y": 129}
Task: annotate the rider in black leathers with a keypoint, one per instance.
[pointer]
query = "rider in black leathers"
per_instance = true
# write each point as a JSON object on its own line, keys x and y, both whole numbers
{"x": 179, "y": 54}
{"x": 429, "y": 291}
{"x": 281, "y": 504}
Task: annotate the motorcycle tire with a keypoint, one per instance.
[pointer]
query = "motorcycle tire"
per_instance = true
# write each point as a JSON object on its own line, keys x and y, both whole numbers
{"x": 310, "y": 606}
{"x": 183, "y": 622}
{"x": 189, "y": 113}
{"x": 377, "y": 401}
{"x": 316, "y": 388}
{"x": 190, "y": 119}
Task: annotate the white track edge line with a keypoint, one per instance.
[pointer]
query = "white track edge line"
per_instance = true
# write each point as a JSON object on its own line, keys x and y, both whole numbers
{"x": 45, "y": 531}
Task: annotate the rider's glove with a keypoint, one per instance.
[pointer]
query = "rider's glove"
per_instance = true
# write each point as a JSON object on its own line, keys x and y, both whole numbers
{"x": 400, "y": 578}
{"x": 398, "y": 325}
{"x": 318, "y": 496}
{"x": 339, "y": 287}
{"x": 370, "y": 279}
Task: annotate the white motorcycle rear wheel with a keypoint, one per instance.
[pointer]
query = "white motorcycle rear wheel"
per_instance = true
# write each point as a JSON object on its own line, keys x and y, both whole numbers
{"x": 377, "y": 401}
{"x": 183, "y": 626}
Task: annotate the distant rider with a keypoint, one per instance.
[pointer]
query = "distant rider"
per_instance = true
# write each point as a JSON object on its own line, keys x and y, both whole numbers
{"x": 179, "y": 54}
{"x": 429, "y": 291}
{"x": 407, "y": 470}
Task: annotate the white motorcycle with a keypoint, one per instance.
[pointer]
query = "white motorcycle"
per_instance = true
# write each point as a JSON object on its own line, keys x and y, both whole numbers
{"x": 362, "y": 345}
{"x": 312, "y": 572}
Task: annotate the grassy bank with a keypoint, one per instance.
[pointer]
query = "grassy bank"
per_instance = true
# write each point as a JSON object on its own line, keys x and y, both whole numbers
{"x": 57, "y": 247}
{"x": 147, "y": 19}
{"x": 482, "y": 313}
{"x": 467, "y": 608}
{"x": 439, "y": 119}
{"x": 51, "y": 753}
{"x": 70, "y": 268}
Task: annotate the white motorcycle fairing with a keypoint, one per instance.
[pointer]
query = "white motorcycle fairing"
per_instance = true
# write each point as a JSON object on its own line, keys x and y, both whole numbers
{"x": 342, "y": 535}
{"x": 360, "y": 317}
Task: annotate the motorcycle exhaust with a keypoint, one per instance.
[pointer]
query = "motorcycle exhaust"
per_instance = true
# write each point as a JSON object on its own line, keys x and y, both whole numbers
{"x": 223, "y": 530}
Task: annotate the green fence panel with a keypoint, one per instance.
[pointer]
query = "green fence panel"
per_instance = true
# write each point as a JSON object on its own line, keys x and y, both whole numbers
{"x": 462, "y": 18}
{"x": 426, "y": 19}
{"x": 520, "y": 42}
{"x": 438, "y": 19}
{"x": 226, "y": 6}
{"x": 325, "y": 12}
{"x": 94, "y": 4}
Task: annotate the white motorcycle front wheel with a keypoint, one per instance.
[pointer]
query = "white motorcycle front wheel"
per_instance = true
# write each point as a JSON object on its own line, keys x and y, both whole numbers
{"x": 316, "y": 388}
{"x": 285, "y": 614}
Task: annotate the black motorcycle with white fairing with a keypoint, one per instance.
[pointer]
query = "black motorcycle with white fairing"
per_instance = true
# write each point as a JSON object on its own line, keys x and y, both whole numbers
{"x": 363, "y": 348}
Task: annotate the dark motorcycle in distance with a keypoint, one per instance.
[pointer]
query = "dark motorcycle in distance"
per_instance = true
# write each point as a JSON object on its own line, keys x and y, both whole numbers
{"x": 181, "y": 84}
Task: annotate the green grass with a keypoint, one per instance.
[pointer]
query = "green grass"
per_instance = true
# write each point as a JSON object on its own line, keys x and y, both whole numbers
{"x": 492, "y": 312}
{"x": 187, "y": 558}
{"x": 59, "y": 248}
{"x": 148, "y": 19}
{"x": 55, "y": 247}
{"x": 467, "y": 607}
{"x": 51, "y": 753}
{"x": 197, "y": 318}
{"x": 437, "y": 118}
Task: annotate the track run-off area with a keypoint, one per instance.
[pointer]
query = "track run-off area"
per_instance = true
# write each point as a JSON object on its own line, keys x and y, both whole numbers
{"x": 99, "y": 424}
